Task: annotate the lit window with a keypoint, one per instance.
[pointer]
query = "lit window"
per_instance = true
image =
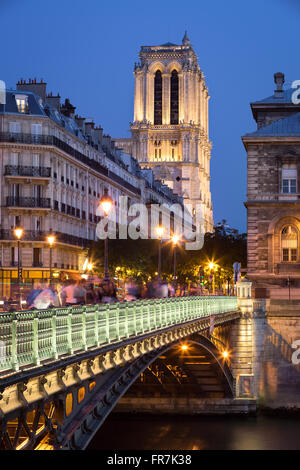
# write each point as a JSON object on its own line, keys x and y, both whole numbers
{"x": 22, "y": 103}
{"x": 289, "y": 179}
{"x": 289, "y": 244}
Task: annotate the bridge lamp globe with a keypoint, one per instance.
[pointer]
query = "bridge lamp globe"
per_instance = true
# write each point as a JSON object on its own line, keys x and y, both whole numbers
{"x": 225, "y": 354}
{"x": 184, "y": 347}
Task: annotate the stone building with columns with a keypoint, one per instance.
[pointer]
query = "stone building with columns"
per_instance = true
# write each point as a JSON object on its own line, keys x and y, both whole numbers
{"x": 55, "y": 166}
{"x": 169, "y": 133}
{"x": 273, "y": 195}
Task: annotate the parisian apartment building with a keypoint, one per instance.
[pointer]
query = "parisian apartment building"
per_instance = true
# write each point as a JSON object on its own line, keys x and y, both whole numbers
{"x": 55, "y": 167}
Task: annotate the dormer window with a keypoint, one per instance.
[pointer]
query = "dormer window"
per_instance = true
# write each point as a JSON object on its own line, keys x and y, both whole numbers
{"x": 22, "y": 103}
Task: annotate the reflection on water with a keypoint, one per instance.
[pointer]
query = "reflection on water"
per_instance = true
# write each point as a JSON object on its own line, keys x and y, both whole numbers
{"x": 137, "y": 432}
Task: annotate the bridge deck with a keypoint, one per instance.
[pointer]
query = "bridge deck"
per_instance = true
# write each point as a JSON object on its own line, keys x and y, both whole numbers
{"x": 29, "y": 338}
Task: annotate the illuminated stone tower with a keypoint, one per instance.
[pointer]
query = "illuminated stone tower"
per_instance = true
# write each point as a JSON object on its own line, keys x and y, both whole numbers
{"x": 170, "y": 128}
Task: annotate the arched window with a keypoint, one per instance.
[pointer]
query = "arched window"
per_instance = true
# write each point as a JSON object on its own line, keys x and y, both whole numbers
{"x": 158, "y": 98}
{"x": 289, "y": 244}
{"x": 174, "y": 98}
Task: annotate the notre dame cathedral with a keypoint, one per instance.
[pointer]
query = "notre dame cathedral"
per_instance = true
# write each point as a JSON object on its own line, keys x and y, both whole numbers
{"x": 170, "y": 127}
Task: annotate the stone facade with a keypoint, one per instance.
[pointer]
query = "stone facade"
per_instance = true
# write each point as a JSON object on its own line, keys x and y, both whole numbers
{"x": 170, "y": 128}
{"x": 55, "y": 166}
{"x": 273, "y": 204}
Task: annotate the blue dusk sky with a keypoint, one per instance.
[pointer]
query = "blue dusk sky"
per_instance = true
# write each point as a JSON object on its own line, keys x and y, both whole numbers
{"x": 86, "y": 50}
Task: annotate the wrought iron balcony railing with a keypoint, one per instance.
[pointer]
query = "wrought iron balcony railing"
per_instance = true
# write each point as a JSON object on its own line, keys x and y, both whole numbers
{"x": 30, "y": 171}
{"x": 40, "y": 202}
{"x": 37, "y": 264}
{"x": 52, "y": 140}
{"x": 31, "y": 337}
{"x": 37, "y": 235}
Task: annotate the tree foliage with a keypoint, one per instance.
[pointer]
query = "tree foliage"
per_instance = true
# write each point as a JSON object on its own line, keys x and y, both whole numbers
{"x": 139, "y": 258}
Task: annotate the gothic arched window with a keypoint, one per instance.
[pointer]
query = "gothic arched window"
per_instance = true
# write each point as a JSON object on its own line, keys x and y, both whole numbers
{"x": 174, "y": 98}
{"x": 289, "y": 244}
{"x": 158, "y": 98}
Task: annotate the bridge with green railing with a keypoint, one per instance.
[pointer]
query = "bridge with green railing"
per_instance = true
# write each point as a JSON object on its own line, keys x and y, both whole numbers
{"x": 48, "y": 356}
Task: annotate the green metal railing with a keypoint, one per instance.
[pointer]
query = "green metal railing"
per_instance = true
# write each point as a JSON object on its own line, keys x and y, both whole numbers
{"x": 30, "y": 337}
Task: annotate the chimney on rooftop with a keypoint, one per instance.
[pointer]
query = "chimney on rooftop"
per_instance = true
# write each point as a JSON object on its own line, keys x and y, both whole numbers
{"x": 67, "y": 109}
{"x": 279, "y": 81}
{"x": 39, "y": 88}
{"x": 53, "y": 100}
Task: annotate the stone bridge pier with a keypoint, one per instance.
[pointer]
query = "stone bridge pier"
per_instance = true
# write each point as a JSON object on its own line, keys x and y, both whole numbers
{"x": 274, "y": 326}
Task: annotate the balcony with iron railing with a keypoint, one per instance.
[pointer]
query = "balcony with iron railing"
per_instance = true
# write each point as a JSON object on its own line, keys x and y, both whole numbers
{"x": 32, "y": 202}
{"x": 37, "y": 235}
{"x": 21, "y": 138}
{"x": 27, "y": 171}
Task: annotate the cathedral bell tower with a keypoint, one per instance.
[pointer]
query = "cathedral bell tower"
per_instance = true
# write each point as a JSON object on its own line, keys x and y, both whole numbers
{"x": 170, "y": 128}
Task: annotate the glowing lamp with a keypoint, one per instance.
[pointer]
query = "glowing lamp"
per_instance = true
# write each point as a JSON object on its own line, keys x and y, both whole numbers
{"x": 18, "y": 233}
{"x": 225, "y": 354}
{"x": 159, "y": 231}
{"x": 175, "y": 239}
{"x": 106, "y": 202}
{"x": 51, "y": 240}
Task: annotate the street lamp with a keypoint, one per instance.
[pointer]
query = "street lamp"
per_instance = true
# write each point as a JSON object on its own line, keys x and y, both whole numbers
{"x": 159, "y": 231}
{"x": 18, "y": 234}
{"x": 213, "y": 267}
{"x": 106, "y": 203}
{"x": 51, "y": 241}
{"x": 175, "y": 240}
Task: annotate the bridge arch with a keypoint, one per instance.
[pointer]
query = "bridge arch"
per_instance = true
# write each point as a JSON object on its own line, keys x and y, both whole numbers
{"x": 108, "y": 392}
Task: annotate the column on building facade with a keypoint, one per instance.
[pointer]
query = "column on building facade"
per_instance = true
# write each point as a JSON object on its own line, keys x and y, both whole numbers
{"x": 197, "y": 149}
{"x": 166, "y": 98}
{"x": 144, "y": 100}
{"x": 181, "y": 97}
{"x": 185, "y": 97}
{"x": 206, "y": 111}
{"x": 194, "y": 93}
{"x": 138, "y": 113}
{"x": 150, "y": 97}
{"x": 197, "y": 120}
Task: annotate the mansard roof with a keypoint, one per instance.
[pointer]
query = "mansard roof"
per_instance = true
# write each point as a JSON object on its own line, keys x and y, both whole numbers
{"x": 287, "y": 127}
{"x": 286, "y": 97}
{"x": 35, "y": 106}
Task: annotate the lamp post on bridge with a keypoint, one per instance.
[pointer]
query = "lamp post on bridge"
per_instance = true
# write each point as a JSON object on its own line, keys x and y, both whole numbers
{"x": 106, "y": 203}
{"x": 175, "y": 240}
{"x": 159, "y": 231}
{"x": 18, "y": 234}
{"x": 51, "y": 241}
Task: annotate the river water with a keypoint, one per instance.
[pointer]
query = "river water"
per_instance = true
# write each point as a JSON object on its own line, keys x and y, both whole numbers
{"x": 144, "y": 432}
